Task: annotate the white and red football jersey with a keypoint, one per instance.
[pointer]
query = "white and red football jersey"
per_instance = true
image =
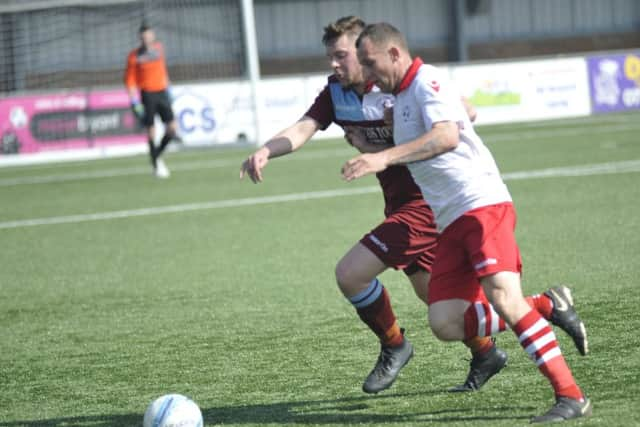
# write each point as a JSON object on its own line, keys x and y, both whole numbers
{"x": 457, "y": 181}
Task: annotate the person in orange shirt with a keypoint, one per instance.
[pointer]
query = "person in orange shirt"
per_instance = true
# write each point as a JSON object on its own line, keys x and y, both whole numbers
{"x": 147, "y": 82}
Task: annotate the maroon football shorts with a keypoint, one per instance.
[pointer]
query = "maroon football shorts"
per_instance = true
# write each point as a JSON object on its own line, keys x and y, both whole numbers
{"x": 406, "y": 239}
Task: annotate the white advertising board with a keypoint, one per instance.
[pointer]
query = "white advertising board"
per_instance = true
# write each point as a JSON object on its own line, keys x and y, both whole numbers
{"x": 216, "y": 113}
{"x": 222, "y": 113}
{"x": 523, "y": 91}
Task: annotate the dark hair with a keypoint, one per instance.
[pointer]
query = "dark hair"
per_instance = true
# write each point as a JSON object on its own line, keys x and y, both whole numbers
{"x": 144, "y": 26}
{"x": 382, "y": 33}
{"x": 346, "y": 25}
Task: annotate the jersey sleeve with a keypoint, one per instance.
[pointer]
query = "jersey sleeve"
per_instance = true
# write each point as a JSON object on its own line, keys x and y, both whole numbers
{"x": 322, "y": 109}
{"x": 130, "y": 74}
{"x": 438, "y": 100}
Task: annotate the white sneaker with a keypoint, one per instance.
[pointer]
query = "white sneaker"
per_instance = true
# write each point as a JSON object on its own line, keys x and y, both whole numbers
{"x": 161, "y": 171}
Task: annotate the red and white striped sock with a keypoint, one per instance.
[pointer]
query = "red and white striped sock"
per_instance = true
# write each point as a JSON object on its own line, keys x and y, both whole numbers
{"x": 542, "y": 303}
{"x": 481, "y": 320}
{"x": 539, "y": 341}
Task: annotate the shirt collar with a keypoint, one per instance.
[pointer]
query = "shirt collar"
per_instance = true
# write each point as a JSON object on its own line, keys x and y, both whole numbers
{"x": 368, "y": 87}
{"x": 409, "y": 76}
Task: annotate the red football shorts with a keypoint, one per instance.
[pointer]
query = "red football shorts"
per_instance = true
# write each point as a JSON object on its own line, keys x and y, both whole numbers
{"x": 479, "y": 243}
{"x": 406, "y": 239}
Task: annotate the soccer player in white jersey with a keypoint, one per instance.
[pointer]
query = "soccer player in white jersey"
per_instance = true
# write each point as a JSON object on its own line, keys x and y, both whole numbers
{"x": 473, "y": 209}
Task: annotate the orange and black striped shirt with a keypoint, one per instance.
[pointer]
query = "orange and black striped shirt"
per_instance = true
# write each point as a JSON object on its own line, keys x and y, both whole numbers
{"x": 147, "y": 69}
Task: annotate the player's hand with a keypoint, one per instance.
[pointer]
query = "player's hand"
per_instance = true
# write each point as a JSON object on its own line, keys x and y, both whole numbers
{"x": 363, "y": 165}
{"x": 387, "y": 115}
{"x": 138, "y": 110}
{"x": 254, "y": 164}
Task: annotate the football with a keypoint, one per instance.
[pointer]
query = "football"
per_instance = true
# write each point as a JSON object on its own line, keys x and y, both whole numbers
{"x": 172, "y": 410}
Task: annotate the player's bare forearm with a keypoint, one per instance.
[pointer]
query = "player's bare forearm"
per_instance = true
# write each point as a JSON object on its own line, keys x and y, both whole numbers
{"x": 281, "y": 144}
{"x": 441, "y": 138}
{"x": 278, "y": 146}
{"x": 254, "y": 164}
{"x": 374, "y": 148}
{"x": 292, "y": 138}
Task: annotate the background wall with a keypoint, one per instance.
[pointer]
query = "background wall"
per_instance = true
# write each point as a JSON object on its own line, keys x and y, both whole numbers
{"x": 61, "y": 64}
{"x": 290, "y": 29}
{"x": 66, "y": 43}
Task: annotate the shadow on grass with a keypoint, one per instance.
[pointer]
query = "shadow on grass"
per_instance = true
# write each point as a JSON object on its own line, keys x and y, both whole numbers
{"x": 353, "y": 410}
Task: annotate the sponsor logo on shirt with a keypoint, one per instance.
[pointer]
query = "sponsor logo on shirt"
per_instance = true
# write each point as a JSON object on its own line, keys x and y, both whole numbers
{"x": 378, "y": 135}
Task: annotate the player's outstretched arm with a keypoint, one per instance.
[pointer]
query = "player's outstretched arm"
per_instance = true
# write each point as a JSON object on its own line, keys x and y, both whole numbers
{"x": 442, "y": 137}
{"x": 285, "y": 142}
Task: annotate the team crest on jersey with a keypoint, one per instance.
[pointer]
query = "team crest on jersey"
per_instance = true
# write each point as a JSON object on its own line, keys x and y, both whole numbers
{"x": 406, "y": 113}
{"x": 434, "y": 85}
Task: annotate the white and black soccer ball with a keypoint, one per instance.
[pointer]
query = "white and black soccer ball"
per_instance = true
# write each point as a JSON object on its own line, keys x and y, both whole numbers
{"x": 172, "y": 410}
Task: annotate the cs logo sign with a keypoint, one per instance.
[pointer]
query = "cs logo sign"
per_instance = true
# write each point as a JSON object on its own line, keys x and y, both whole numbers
{"x": 194, "y": 114}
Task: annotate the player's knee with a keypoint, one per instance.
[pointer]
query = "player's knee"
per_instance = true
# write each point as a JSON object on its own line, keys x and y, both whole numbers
{"x": 444, "y": 326}
{"x": 349, "y": 278}
{"x": 437, "y": 323}
{"x": 344, "y": 276}
{"x": 442, "y": 331}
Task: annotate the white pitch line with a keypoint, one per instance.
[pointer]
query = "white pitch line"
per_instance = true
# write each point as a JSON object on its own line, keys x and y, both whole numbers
{"x": 580, "y": 170}
{"x": 571, "y": 171}
{"x": 139, "y": 170}
{"x": 232, "y": 203}
{"x": 497, "y": 136}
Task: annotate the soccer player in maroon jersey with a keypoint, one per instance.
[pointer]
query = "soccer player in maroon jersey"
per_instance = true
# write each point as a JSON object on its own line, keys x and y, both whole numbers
{"x": 405, "y": 240}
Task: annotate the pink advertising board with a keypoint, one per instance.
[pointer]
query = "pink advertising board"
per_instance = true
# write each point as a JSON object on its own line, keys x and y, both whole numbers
{"x": 64, "y": 121}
